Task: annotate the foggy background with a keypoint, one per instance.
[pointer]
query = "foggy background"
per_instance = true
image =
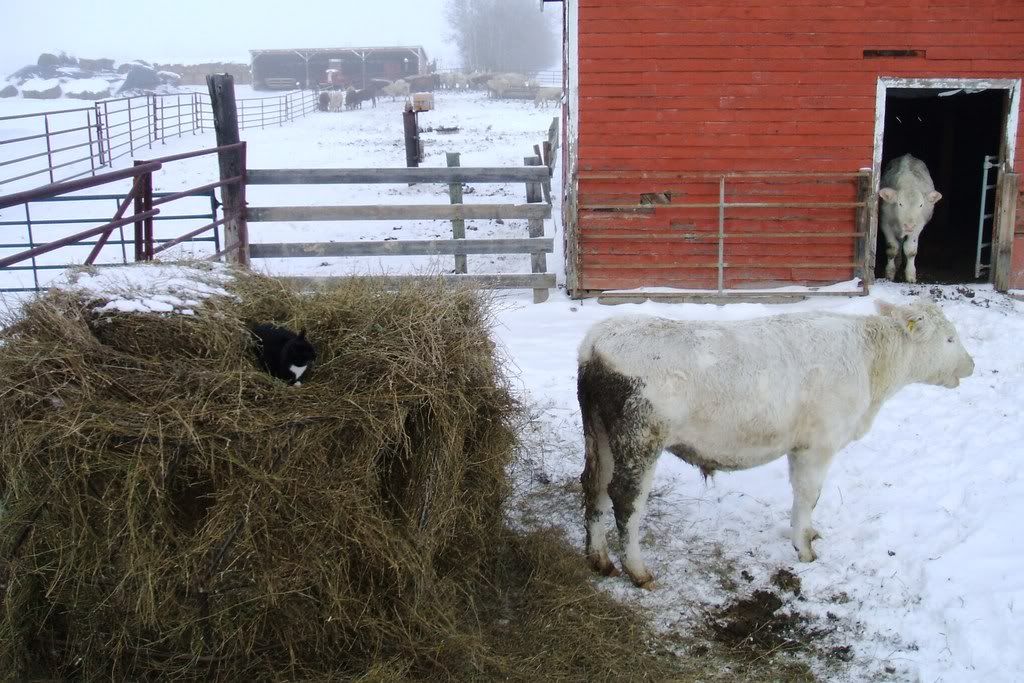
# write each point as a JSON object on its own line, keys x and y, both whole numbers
{"x": 194, "y": 31}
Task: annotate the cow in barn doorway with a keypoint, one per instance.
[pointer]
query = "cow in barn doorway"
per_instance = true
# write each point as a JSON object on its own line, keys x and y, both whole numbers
{"x": 908, "y": 201}
{"x": 738, "y": 394}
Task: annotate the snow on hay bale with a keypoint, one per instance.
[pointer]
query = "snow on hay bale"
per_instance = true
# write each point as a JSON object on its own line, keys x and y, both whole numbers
{"x": 170, "y": 510}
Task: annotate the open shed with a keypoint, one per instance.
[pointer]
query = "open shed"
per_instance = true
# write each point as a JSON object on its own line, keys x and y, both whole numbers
{"x": 738, "y": 144}
{"x": 284, "y": 68}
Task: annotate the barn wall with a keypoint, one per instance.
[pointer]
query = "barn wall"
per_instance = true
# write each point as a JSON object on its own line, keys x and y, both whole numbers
{"x": 778, "y": 85}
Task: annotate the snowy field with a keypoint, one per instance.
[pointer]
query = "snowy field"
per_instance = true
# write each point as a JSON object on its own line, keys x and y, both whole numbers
{"x": 920, "y": 573}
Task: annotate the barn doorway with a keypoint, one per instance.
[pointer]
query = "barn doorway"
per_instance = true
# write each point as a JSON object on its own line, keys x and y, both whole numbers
{"x": 956, "y": 128}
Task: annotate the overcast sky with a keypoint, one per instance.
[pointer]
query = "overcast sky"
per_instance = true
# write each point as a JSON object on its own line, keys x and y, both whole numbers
{"x": 200, "y": 30}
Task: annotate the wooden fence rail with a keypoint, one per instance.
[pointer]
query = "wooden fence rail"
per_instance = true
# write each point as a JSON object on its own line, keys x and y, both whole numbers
{"x": 367, "y": 176}
{"x": 387, "y": 212}
{"x": 402, "y": 248}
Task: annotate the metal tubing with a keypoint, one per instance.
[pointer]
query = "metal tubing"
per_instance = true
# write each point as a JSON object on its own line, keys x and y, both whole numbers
{"x": 196, "y": 190}
{"x": 64, "y": 187}
{"x": 188, "y": 235}
{"x": 73, "y": 239}
{"x": 117, "y": 215}
{"x": 49, "y": 152}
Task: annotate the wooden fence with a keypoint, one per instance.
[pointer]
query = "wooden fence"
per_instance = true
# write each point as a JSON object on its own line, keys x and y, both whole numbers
{"x": 534, "y": 211}
{"x": 535, "y": 174}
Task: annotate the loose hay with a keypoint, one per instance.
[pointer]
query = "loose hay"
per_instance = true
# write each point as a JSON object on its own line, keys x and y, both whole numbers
{"x": 171, "y": 511}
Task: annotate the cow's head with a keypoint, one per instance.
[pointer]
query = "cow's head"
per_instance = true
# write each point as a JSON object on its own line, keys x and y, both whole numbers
{"x": 912, "y": 207}
{"x": 937, "y": 356}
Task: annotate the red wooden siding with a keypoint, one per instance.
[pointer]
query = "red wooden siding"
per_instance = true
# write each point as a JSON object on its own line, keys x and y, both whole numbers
{"x": 753, "y": 85}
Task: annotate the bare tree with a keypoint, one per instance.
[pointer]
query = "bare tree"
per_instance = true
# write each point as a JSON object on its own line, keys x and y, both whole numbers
{"x": 502, "y": 35}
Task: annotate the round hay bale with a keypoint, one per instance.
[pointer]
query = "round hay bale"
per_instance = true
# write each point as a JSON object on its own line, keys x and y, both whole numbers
{"x": 169, "y": 510}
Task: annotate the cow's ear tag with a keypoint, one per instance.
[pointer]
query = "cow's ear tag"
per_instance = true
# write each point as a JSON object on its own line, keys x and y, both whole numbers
{"x": 910, "y": 325}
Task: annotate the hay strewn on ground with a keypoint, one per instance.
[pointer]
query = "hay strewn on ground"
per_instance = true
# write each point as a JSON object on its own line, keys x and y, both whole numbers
{"x": 171, "y": 511}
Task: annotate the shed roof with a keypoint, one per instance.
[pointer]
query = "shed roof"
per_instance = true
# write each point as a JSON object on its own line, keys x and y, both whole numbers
{"x": 418, "y": 49}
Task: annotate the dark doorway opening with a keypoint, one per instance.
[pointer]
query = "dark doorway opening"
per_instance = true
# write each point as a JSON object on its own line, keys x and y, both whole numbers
{"x": 951, "y": 130}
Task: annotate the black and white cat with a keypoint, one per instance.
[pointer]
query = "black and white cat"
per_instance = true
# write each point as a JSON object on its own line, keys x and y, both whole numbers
{"x": 283, "y": 353}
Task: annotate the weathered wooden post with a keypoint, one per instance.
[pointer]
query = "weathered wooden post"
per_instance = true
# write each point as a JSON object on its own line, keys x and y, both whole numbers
{"x": 458, "y": 224}
{"x": 232, "y": 164}
{"x": 1006, "y": 218}
{"x": 538, "y": 261}
{"x": 412, "y": 138}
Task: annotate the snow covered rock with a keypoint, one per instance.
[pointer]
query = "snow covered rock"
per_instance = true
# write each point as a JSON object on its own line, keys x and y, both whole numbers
{"x": 140, "y": 78}
{"x": 87, "y": 89}
{"x": 41, "y": 88}
{"x": 169, "y": 77}
{"x": 9, "y": 91}
{"x": 47, "y": 59}
{"x": 95, "y": 65}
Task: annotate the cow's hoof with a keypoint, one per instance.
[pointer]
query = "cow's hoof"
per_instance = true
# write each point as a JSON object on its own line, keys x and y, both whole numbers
{"x": 813, "y": 535}
{"x": 603, "y": 565}
{"x": 644, "y": 579}
{"x": 807, "y": 554}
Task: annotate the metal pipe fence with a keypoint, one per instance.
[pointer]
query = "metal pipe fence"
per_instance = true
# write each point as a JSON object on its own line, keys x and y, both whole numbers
{"x": 41, "y": 245}
{"x": 55, "y": 146}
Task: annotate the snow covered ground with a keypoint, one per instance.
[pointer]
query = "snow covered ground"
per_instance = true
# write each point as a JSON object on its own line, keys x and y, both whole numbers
{"x": 921, "y": 568}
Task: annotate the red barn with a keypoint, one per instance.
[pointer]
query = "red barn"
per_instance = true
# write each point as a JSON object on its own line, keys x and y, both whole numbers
{"x": 738, "y": 144}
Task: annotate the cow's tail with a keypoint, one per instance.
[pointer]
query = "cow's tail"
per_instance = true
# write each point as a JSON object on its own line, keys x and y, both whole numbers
{"x": 592, "y": 429}
{"x": 594, "y": 479}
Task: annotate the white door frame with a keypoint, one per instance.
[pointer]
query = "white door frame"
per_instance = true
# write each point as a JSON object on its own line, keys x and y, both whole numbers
{"x": 1007, "y": 151}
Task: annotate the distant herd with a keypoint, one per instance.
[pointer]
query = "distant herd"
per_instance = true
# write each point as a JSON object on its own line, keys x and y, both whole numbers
{"x": 500, "y": 86}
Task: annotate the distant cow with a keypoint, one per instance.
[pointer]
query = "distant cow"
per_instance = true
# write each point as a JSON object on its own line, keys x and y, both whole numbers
{"x": 424, "y": 82}
{"x": 734, "y": 395}
{"x": 354, "y": 98}
{"x": 324, "y": 101}
{"x": 908, "y": 200}
{"x": 545, "y": 94}
{"x": 337, "y": 100}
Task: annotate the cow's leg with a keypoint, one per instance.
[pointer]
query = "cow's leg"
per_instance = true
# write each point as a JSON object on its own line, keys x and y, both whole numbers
{"x": 635, "y": 456}
{"x": 892, "y": 249}
{"x": 597, "y": 473}
{"x": 910, "y": 251}
{"x": 807, "y": 470}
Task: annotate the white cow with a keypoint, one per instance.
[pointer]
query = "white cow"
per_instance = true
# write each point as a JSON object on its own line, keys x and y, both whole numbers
{"x": 734, "y": 395}
{"x": 908, "y": 200}
{"x": 337, "y": 100}
{"x": 545, "y": 95}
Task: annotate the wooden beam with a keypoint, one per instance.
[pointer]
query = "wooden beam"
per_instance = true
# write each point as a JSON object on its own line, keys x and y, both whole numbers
{"x": 402, "y": 248}
{"x": 455, "y": 197}
{"x": 384, "y": 212}
{"x": 345, "y": 176}
{"x": 714, "y": 297}
{"x": 489, "y": 281}
{"x": 1006, "y": 214}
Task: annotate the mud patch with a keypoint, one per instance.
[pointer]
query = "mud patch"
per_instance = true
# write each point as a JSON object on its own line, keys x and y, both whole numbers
{"x": 759, "y": 625}
{"x": 786, "y": 580}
